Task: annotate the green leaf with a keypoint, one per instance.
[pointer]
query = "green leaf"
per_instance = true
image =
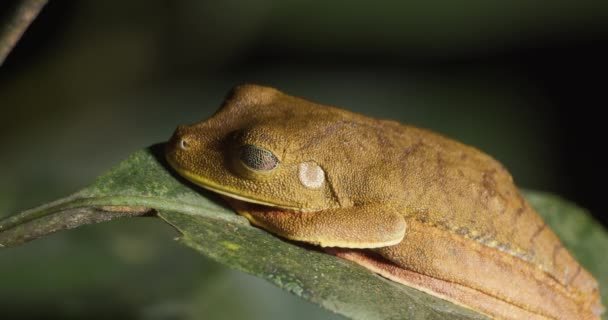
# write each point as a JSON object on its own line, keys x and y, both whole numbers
{"x": 143, "y": 185}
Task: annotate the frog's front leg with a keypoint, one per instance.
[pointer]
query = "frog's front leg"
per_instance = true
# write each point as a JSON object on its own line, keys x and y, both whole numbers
{"x": 356, "y": 227}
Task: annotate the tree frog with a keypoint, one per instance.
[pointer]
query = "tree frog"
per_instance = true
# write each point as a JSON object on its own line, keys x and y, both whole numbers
{"x": 412, "y": 205}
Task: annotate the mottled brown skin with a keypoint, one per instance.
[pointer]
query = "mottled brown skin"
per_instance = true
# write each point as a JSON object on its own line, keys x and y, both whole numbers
{"x": 407, "y": 203}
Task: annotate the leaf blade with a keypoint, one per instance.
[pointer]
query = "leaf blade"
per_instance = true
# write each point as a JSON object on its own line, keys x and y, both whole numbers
{"x": 144, "y": 182}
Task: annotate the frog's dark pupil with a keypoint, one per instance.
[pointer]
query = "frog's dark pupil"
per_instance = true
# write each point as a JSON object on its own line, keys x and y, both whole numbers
{"x": 257, "y": 158}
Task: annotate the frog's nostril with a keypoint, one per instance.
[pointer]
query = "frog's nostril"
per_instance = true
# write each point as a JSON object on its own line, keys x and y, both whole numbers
{"x": 183, "y": 144}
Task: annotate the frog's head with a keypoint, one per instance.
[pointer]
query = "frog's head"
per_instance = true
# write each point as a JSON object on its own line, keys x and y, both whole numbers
{"x": 268, "y": 148}
{"x": 276, "y": 154}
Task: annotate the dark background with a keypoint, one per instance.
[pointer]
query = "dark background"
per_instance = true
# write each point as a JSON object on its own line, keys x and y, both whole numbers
{"x": 93, "y": 81}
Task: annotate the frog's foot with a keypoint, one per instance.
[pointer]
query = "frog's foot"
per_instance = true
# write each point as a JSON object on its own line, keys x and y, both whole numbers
{"x": 359, "y": 227}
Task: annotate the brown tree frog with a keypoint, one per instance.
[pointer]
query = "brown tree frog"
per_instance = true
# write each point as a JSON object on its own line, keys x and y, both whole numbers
{"x": 409, "y": 204}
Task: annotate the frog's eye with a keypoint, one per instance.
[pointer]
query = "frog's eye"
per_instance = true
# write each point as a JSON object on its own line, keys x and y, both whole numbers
{"x": 257, "y": 158}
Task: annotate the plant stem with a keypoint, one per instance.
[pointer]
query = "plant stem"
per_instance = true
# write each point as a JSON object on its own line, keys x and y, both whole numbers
{"x": 15, "y": 25}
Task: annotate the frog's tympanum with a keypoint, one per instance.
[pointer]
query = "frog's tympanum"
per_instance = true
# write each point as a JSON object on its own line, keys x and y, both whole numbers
{"x": 409, "y": 204}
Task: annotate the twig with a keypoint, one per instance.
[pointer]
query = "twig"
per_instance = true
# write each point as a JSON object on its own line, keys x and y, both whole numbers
{"x": 15, "y": 25}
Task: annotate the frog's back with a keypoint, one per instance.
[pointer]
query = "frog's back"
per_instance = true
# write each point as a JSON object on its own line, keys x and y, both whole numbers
{"x": 467, "y": 197}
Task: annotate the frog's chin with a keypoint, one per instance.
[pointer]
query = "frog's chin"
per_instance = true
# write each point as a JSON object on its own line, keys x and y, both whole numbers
{"x": 237, "y": 197}
{"x": 227, "y": 192}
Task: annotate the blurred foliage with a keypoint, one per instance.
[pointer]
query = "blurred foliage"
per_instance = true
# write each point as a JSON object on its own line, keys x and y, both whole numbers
{"x": 94, "y": 80}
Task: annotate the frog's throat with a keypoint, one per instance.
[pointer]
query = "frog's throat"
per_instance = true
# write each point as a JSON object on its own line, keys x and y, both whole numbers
{"x": 226, "y": 191}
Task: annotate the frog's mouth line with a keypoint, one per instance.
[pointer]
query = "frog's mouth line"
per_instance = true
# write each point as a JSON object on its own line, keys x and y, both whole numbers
{"x": 216, "y": 188}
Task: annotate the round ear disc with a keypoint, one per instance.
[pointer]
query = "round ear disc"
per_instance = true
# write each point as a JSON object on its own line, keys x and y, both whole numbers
{"x": 311, "y": 175}
{"x": 257, "y": 158}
